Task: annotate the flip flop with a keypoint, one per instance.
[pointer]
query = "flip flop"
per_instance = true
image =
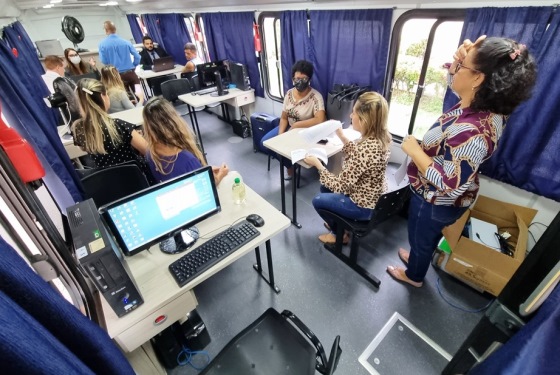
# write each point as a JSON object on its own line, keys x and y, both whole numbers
{"x": 403, "y": 254}
{"x": 397, "y": 273}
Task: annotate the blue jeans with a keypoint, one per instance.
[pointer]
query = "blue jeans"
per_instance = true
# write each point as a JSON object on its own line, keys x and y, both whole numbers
{"x": 271, "y": 134}
{"x": 341, "y": 205}
{"x": 425, "y": 223}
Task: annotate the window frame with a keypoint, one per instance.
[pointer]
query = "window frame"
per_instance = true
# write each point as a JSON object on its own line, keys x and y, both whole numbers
{"x": 440, "y": 15}
{"x": 263, "y": 54}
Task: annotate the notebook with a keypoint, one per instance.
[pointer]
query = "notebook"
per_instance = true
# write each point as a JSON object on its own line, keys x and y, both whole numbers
{"x": 163, "y": 63}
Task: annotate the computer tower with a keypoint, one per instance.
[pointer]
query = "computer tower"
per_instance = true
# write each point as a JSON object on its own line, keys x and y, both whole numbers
{"x": 100, "y": 258}
{"x": 239, "y": 76}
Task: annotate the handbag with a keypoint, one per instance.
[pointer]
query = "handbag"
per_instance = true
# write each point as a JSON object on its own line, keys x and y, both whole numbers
{"x": 341, "y": 99}
{"x": 242, "y": 127}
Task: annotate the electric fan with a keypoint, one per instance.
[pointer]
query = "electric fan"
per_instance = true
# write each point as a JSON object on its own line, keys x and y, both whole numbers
{"x": 74, "y": 31}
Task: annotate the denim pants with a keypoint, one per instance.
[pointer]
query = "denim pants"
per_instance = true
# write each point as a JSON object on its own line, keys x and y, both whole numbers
{"x": 271, "y": 134}
{"x": 425, "y": 223}
{"x": 341, "y": 205}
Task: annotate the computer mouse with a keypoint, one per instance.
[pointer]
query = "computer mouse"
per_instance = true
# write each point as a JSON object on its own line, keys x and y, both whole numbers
{"x": 255, "y": 219}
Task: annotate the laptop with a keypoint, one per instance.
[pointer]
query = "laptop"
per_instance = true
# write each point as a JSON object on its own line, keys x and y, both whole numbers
{"x": 163, "y": 63}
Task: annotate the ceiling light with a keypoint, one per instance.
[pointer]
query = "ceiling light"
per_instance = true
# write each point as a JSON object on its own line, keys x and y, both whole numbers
{"x": 48, "y": 6}
{"x": 133, "y": 1}
{"x": 112, "y": 3}
{"x": 56, "y": 1}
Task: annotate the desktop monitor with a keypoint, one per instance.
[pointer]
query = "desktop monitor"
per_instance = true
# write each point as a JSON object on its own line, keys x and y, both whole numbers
{"x": 164, "y": 212}
{"x": 207, "y": 77}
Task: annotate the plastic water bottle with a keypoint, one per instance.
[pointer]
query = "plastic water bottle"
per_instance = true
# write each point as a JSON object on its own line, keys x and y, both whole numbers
{"x": 238, "y": 191}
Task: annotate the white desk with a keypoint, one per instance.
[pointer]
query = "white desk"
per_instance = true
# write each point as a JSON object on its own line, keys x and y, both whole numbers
{"x": 234, "y": 97}
{"x": 134, "y": 116}
{"x": 283, "y": 145}
{"x": 144, "y": 75}
{"x": 162, "y": 296}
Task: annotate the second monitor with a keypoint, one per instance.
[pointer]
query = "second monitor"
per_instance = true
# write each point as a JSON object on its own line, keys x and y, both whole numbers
{"x": 214, "y": 74}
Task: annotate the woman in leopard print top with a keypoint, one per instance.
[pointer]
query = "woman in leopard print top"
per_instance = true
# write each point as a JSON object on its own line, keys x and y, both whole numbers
{"x": 354, "y": 192}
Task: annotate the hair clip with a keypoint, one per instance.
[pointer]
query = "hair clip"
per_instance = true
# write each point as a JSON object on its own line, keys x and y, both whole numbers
{"x": 517, "y": 52}
{"x": 87, "y": 91}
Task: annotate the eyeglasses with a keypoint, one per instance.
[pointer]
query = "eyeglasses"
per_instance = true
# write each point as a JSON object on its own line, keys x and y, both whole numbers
{"x": 304, "y": 80}
{"x": 459, "y": 66}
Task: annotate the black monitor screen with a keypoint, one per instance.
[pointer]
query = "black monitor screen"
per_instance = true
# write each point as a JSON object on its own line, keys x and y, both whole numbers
{"x": 206, "y": 73}
{"x": 161, "y": 211}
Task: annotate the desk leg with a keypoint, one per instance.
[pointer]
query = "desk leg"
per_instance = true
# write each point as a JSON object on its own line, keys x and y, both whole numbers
{"x": 282, "y": 185}
{"x": 145, "y": 87}
{"x": 194, "y": 119}
{"x": 294, "y": 193}
{"x": 258, "y": 266}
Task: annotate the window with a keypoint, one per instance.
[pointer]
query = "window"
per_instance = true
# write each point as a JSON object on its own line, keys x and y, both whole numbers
{"x": 197, "y": 38}
{"x": 422, "y": 42}
{"x": 271, "y": 55}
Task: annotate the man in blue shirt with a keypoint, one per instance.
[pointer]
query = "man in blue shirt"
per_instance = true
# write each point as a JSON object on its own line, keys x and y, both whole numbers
{"x": 114, "y": 50}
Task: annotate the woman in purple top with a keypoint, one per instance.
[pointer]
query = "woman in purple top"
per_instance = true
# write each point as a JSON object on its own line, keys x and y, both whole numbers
{"x": 172, "y": 150}
{"x": 491, "y": 76}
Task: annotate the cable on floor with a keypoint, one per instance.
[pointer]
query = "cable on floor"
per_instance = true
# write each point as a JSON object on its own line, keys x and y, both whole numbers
{"x": 454, "y": 305}
{"x": 188, "y": 358}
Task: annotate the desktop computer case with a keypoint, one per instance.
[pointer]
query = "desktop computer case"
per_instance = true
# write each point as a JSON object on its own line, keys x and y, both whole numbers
{"x": 101, "y": 260}
{"x": 239, "y": 76}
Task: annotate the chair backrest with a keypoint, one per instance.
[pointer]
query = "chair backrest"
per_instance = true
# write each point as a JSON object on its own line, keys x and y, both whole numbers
{"x": 389, "y": 204}
{"x": 155, "y": 83}
{"x": 171, "y": 89}
{"x": 109, "y": 184}
{"x": 193, "y": 79}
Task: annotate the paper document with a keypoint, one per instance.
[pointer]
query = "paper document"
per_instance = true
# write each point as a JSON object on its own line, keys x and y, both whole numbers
{"x": 349, "y": 133}
{"x": 301, "y": 153}
{"x": 400, "y": 173}
{"x": 320, "y": 131}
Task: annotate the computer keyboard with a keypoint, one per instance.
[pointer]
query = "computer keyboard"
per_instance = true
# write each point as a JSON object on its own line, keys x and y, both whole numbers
{"x": 209, "y": 253}
{"x": 205, "y": 91}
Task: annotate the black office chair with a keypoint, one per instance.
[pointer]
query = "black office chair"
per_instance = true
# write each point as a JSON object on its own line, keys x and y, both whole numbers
{"x": 193, "y": 80}
{"x": 273, "y": 343}
{"x": 171, "y": 90}
{"x": 155, "y": 83}
{"x": 388, "y": 205}
{"x": 110, "y": 184}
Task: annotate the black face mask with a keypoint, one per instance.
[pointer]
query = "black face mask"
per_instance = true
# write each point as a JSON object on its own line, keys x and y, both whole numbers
{"x": 301, "y": 85}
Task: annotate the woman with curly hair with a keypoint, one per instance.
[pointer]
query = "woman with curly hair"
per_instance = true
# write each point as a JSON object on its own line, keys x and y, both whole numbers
{"x": 492, "y": 77}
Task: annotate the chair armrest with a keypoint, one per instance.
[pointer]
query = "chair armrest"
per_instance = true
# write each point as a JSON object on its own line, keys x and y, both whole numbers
{"x": 333, "y": 358}
{"x": 320, "y": 351}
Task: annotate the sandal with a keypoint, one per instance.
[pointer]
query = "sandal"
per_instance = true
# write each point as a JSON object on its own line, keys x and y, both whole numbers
{"x": 329, "y": 238}
{"x": 403, "y": 254}
{"x": 397, "y": 273}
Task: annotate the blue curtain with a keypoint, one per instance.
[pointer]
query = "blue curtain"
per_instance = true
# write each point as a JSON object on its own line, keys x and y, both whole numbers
{"x": 134, "y": 27}
{"x": 296, "y": 44}
{"x": 341, "y": 39}
{"x": 523, "y": 24}
{"x": 151, "y": 21}
{"x": 174, "y": 35}
{"x": 21, "y": 92}
{"x": 230, "y": 36}
{"x": 528, "y": 155}
{"x": 41, "y": 333}
{"x": 532, "y": 350}
{"x": 170, "y": 32}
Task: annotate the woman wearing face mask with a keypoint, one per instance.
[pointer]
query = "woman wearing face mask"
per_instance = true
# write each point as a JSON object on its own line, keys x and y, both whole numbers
{"x": 303, "y": 105}
{"x": 75, "y": 66}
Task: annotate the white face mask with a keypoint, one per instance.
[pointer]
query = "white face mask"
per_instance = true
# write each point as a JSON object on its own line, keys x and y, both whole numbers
{"x": 75, "y": 59}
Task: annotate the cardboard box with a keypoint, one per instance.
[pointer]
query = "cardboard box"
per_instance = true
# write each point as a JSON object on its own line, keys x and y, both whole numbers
{"x": 482, "y": 266}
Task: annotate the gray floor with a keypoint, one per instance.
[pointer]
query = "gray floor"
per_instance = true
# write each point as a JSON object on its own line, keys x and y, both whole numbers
{"x": 323, "y": 292}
